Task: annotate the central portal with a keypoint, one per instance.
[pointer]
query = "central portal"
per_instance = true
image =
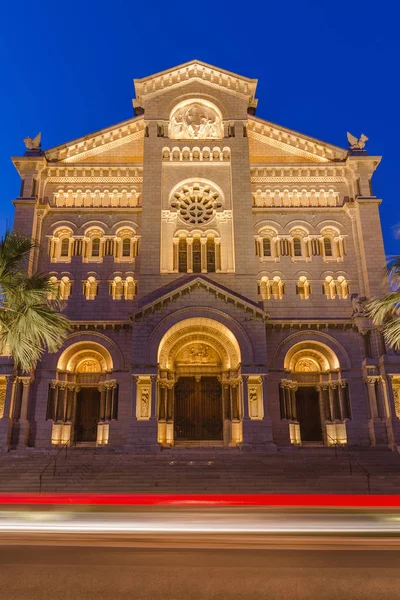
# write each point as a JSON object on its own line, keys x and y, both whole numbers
{"x": 198, "y": 409}
{"x": 87, "y": 414}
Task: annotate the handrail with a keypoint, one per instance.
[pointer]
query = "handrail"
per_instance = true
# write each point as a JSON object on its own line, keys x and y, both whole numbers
{"x": 54, "y": 458}
{"x": 350, "y": 457}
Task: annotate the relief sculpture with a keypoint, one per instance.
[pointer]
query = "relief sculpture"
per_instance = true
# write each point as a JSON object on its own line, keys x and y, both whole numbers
{"x": 145, "y": 402}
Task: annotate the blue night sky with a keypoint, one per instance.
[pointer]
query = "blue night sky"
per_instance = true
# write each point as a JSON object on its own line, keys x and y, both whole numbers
{"x": 323, "y": 68}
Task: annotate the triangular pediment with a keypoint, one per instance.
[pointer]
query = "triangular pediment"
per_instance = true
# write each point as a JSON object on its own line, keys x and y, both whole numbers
{"x": 270, "y": 142}
{"x": 157, "y": 299}
{"x": 100, "y": 146}
{"x": 181, "y": 75}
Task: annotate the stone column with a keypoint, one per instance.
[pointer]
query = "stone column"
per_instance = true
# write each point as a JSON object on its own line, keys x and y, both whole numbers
{"x": 227, "y": 412}
{"x": 217, "y": 256}
{"x": 6, "y": 421}
{"x": 134, "y": 394}
{"x": 175, "y": 265}
{"x": 153, "y": 410}
{"x": 103, "y": 392}
{"x": 189, "y": 243}
{"x": 378, "y": 425}
{"x": 332, "y": 402}
{"x": 23, "y": 419}
{"x": 245, "y": 388}
{"x": 373, "y": 405}
{"x": 342, "y": 400}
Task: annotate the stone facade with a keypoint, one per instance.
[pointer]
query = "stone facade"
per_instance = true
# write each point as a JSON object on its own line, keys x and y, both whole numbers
{"x": 214, "y": 267}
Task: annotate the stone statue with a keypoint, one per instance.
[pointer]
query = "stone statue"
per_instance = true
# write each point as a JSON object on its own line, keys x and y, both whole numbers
{"x": 253, "y": 397}
{"x": 358, "y": 304}
{"x": 33, "y": 144}
{"x": 357, "y": 143}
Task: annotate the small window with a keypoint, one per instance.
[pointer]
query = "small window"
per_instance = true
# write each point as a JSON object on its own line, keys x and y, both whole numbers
{"x": 196, "y": 255}
{"x": 285, "y": 250}
{"x": 210, "y": 255}
{"x": 297, "y": 246}
{"x": 65, "y": 247}
{"x": 267, "y": 247}
{"x": 96, "y": 247}
{"x": 327, "y": 247}
{"x": 315, "y": 247}
{"x": 109, "y": 248}
{"x": 126, "y": 247}
{"x": 182, "y": 256}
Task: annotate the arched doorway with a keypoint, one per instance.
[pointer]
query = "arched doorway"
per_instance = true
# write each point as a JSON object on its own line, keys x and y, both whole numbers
{"x": 199, "y": 384}
{"x": 84, "y": 398}
{"x": 314, "y": 398}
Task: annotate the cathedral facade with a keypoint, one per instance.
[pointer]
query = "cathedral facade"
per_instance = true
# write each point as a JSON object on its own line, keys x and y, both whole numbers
{"x": 214, "y": 267}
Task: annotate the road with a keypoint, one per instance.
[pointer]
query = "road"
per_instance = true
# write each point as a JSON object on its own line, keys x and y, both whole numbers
{"x": 46, "y": 572}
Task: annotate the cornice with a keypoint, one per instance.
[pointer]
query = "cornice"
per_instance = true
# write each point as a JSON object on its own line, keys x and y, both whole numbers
{"x": 98, "y": 142}
{"x": 293, "y": 141}
{"x": 195, "y": 70}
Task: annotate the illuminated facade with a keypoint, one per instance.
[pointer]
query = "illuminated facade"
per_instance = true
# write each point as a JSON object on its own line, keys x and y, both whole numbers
{"x": 214, "y": 267}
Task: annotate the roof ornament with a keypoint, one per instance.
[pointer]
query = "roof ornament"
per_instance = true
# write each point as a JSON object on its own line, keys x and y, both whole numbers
{"x": 33, "y": 144}
{"x": 357, "y": 143}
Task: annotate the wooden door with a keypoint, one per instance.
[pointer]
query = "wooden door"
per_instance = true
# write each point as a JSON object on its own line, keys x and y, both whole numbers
{"x": 87, "y": 415}
{"x": 308, "y": 414}
{"x": 198, "y": 409}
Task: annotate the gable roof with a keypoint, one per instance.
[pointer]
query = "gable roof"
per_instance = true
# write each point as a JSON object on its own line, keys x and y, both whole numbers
{"x": 185, "y": 284}
{"x": 155, "y": 84}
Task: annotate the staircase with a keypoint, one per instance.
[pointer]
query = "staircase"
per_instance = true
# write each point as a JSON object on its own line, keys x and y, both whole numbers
{"x": 203, "y": 470}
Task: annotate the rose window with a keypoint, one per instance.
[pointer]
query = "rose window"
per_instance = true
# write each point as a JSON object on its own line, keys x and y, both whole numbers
{"x": 196, "y": 204}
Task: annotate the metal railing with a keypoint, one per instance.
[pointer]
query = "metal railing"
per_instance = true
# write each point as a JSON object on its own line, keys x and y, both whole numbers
{"x": 350, "y": 458}
{"x": 54, "y": 458}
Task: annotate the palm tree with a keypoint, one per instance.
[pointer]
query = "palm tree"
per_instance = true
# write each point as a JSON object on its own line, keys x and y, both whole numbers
{"x": 385, "y": 311}
{"x": 30, "y": 321}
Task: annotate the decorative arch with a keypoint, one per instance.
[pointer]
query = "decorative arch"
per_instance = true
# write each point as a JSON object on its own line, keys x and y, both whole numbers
{"x": 200, "y": 333}
{"x": 85, "y": 356}
{"x": 94, "y": 340}
{"x": 323, "y": 344}
{"x": 217, "y": 320}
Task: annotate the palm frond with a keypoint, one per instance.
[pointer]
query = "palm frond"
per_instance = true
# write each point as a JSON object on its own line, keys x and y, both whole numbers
{"x": 391, "y": 333}
{"x": 383, "y": 308}
{"x": 30, "y": 331}
{"x": 14, "y": 248}
{"x": 30, "y": 321}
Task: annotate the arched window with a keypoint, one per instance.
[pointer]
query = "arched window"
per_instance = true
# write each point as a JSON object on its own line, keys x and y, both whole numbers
{"x": 65, "y": 288}
{"x": 277, "y": 288}
{"x": 117, "y": 288}
{"x": 342, "y": 287}
{"x": 95, "y": 247}
{"x": 303, "y": 288}
{"x": 196, "y": 255}
{"x": 126, "y": 247}
{"x": 130, "y": 288}
{"x": 210, "y": 255}
{"x": 328, "y": 246}
{"x": 267, "y": 251}
{"x": 91, "y": 288}
{"x": 329, "y": 288}
{"x": 182, "y": 255}
{"x": 271, "y": 288}
{"x": 297, "y": 246}
{"x": 53, "y": 292}
{"x": 64, "y": 252}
